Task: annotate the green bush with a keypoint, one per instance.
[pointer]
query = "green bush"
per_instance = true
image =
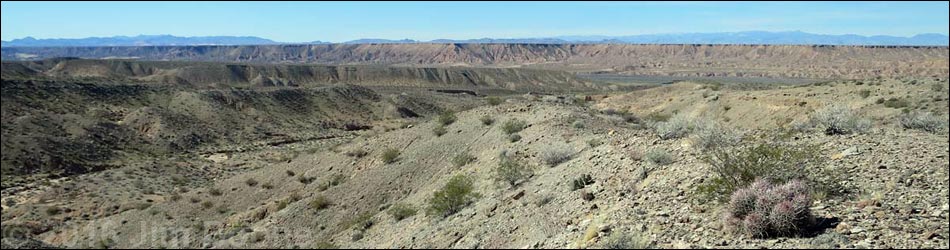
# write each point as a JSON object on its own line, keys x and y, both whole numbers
{"x": 710, "y": 135}
{"x": 554, "y": 154}
{"x": 864, "y": 93}
{"x": 453, "y": 197}
{"x": 896, "y": 103}
{"x": 511, "y": 171}
{"x": 319, "y": 203}
{"x": 677, "y": 127}
{"x": 578, "y": 124}
{"x": 924, "y": 121}
{"x": 390, "y": 155}
{"x": 462, "y": 159}
{"x": 251, "y": 182}
{"x": 401, "y": 211}
{"x": 839, "y": 120}
{"x": 659, "y": 157}
{"x": 493, "y": 100}
{"x": 446, "y": 118}
{"x": 487, "y": 120}
{"x": 439, "y": 130}
{"x": 513, "y": 126}
{"x": 514, "y": 137}
{"x": 738, "y": 167}
{"x": 582, "y": 182}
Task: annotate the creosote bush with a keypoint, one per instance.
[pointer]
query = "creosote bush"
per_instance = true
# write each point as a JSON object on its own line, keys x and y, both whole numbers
{"x": 840, "y": 120}
{"x": 677, "y": 127}
{"x": 659, "y": 157}
{"x": 487, "y": 120}
{"x": 446, "y": 118}
{"x": 514, "y": 137}
{"x": 462, "y": 159}
{"x": 390, "y": 155}
{"x": 401, "y": 211}
{"x": 710, "y": 134}
{"x": 439, "y": 130}
{"x": 320, "y": 202}
{"x": 493, "y": 100}
{"x": 924, "y": 121}
{"x": 763, "y": 210}
{"x": 582, "y": 182}
{"x": 251, "y": 182}
{"x": 552, "y": 155}
{"x": 738, "y": 167}
{"x": 458, "y": 193}
{"x": 511, "y": 171}
{"x": 513, "y": 126}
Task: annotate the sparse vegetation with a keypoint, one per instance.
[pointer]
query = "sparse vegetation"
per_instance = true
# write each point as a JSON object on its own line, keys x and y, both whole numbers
{"x": 582, "y": 182}
{"x": 390, "y": 155}
{"x": 319, "y": 203}
{"x": 251, "y": 182}
{"x": 401, "y": 211}
{"x": 762, "y": 210}
{"x": 552, "y": 155}
{"x": 740, "y": 166}
{"x": 445, "y": 118}
{"x": 659, "y": 156}
{"x": 594, "y": 142}
{"x": 924, "y": 121}
{"x": 578, "y": 124}
{"x": 840, "y": 120}
{"x": 439, "y": 130}
{"x": 864, "y": 93}
{"x": 709, "y": 135}
{"x": 53, "y": 210}
{"x": 305, "y": 180}
{"x": 511, "y": 171}
{"x": 493, "y": 100}
{"x": 896, "y": 103}
{"x": 207, "y": 204}
{"x": 657, "y": 117}
{"x": 487, "y": 120}
{"x": 324, "y": 245}
{"x": 677, "y": 127}
{"x": 451, "y": 198}
{"x": 514, "y": 137}
{"x": 358, "y": 153}
{"x": 267, "y": 185}
{"x": 513, "y": 126}
{"x": 215, "y": 192}
{"x": 291, "y": 173}
{"x": 255, "y": 237}
{"x": 626, "y": 241}
{"x": 462, "y": 159}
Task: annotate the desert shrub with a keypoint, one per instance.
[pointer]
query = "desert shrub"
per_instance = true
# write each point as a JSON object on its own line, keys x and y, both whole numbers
{"x": 511, "y": 171}
{"x": 896, "y": 103}
{"x": 319, "y": 203}
{"x": 513, "y": 126}
{"x": 291, "y": 173}
{"x": 207, "y": 204}
{"x": 552, "y": 155}
{"x": 487, "y": 120}
{"x": 336, "y": 179}
{"x": 439, "y": 130}
{"x": 267, "y": 185}
{"x": 937, "y": 87}
{"x": 923, "y": 121}
{"x": 594, "y": 142}
{"x": 194, "y": 199}
{"x": 839, "y": 120}
{"x": 514, "y": 137}
{"x": 657, "y": 117}
{"x": 390, "y": 155}
{"x": 358, "y": 153}
{"x": 324, "y": 245}
{"x": 222, "y": 209}
{"x": 401, "y": 211}
{"x": 458, "y": 193}
{"x": 493, "y": 100}
{"x": 740, "y": 166}
{"x": 215, "y": 192}
{"x": 175, "y": 197}
{"x": 710, "y": 134}
{"x": 446, "y": 118}
{"x": 659, "y": 157}
{"x": 581, "y": 182}
{"x": 304, "y": 179}
{"x": 864, "y": 93}
{"x": 363, "y": 221}
{"x": 53, "y": 210}
{"x": 251, "y": 182}
{"x": 763, "y": 210}
{"x": 578, "y": 124}
{"x": 626, "y": 241}
{"x": 677, "y": 127}
{"x": 281, "y": 204}
{"x": 462, "y": 159}
{"x": 255, "y": 237}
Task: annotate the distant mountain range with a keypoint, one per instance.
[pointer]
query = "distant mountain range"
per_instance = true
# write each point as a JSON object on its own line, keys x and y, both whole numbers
{"x": 748, "y": 37}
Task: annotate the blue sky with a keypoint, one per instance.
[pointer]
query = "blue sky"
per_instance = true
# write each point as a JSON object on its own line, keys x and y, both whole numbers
{"x": 343, "y": 21}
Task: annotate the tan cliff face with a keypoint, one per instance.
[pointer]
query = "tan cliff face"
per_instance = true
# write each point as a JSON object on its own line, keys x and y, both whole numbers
{"x": 674, "y": 60}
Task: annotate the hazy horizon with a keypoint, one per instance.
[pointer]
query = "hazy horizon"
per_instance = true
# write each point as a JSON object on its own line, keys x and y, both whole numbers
{"x": 300, "y": 22}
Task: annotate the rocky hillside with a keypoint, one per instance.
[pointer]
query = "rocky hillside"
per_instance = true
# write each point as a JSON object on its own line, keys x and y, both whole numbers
{"x": 674, "y": 60}
{"x": 590, "y": 177}
{"x": 211, "y": 74}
